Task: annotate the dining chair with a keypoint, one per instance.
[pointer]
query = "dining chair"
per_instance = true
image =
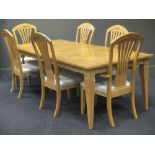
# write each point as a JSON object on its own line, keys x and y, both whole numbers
{"x": 113, "y": 33}
{"x": 18, "y": 69}
{"x": 22, "y": 34}
{"x": 128, "y": 46}
{"x": 85, "y": 33}
{"x": 49, "y": 72}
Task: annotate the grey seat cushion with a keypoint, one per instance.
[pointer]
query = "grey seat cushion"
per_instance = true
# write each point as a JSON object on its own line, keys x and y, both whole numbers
{"x": 28, "y": 59}
{"x": 114, "y": 72}
{"x": 101, "y": 85}
{"x": 69, "y": 78}
{"x": 30, "y": 68}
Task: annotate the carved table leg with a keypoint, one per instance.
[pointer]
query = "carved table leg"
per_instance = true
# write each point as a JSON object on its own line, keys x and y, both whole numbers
{"x": 89, "y": 90}
{"x": 144, "y": 74}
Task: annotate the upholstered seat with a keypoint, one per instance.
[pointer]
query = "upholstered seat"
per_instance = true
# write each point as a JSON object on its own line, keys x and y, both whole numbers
{"x": 101, "y": 85}
{"x": 27, "y": 59}
{"x": 68, "y": 78}
{"x": 29, "y": 68}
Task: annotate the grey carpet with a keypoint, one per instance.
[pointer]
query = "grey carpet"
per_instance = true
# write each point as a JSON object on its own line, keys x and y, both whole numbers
{"x": 22, "y": 117}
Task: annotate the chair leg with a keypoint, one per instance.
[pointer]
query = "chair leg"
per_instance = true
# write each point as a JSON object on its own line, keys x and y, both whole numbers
{"x": 77, "y": 91}
{"x": 82, "y": 100}
{"x": 133, "y": 107}
{"x": 38, "y": 79}
{"x": 23, "y": 61}
{"x": 16, "y": 81}
{"x": 95, "y": 100}
{"x": 109, "y": 110}
{"x": 12, "y": 83}
{"x": 21, "y": 87}
{"x": 42, "y": 101}
{"x": 68, "y": 93}
{"x": 58, "y": 100}
{"x": 29, "y": 80}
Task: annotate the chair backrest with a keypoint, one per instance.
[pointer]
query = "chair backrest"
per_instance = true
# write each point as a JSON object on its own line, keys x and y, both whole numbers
{"x": 12, "y": 50}
{"x": 44, "y": 50}
{"x": 127, "y": 45}
{"x": 113, "y": 33}
{"x": 22, "y": 33}
{"x": 85, "y": 33}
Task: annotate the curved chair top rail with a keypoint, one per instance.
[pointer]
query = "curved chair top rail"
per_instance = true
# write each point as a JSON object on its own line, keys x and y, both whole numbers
{"x": 85, "y": 33}
{"x": 114, "y": 32}
{"x": 25, "y": 31}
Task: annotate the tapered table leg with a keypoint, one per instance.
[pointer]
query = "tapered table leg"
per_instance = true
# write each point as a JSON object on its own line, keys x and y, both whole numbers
{"x": 89, "y": 90}
{"x": 144, "y": 75}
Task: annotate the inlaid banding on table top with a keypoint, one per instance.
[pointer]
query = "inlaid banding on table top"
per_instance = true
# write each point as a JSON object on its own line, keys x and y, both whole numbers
{"x": 80, "y": 55}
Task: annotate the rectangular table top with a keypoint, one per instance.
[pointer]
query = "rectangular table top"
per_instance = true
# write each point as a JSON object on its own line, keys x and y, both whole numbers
{"x": 80, "y": 55}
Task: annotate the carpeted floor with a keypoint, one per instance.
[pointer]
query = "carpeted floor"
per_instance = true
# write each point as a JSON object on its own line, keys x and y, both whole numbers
{"x": 22, "y": 117}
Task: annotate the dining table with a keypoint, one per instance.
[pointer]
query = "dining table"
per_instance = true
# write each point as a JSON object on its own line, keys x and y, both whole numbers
{"x": 90, "y": 60}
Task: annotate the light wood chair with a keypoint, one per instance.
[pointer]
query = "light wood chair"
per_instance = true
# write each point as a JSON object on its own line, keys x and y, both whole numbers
{"x": 49, "y": 72}
{"x": 127, "y": 45}
{"x": 85, "y": 33}
{"x": 113, "y": 33}
{"x": 22, "y": 34}
{"x": 18, "y": 69}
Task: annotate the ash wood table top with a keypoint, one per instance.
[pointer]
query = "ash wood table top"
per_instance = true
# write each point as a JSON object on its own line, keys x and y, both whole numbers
{"x": 80, "y": 55}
